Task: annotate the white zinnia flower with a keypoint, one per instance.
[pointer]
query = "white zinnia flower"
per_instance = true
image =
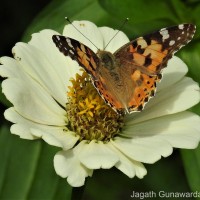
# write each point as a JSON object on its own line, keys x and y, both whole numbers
{"x": 37, "y": 85}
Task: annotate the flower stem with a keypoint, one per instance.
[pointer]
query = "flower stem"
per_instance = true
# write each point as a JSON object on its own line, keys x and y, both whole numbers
{"x": 77, "y": 192}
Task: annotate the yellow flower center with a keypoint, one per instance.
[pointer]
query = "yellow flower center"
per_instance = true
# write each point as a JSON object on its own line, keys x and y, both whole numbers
{"x": 88, "y": 115}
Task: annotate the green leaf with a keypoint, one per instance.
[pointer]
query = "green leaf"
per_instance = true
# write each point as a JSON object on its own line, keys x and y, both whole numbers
{"x": 192, "y": 2}
{"x": 17, "y": 176}
{"x": 5, "y": 146}
{"x": 191, "y": 161}
{"x": 26, "y": 170}
{"x": 196, "y": 17}
{"x": 168, "y": 13}
{"x": 140, "y": 11}
{"x": 190, "y": 55}
{"x": 181, "y": 10}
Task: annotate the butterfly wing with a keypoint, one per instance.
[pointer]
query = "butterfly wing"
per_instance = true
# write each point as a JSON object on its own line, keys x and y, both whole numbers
{"x": 151, "y": 52}
{"x": 139, "y": 64}
{"x": 147, "y": 56}
{"x": 79, "y": 52}
{"x": 89, "y": 61}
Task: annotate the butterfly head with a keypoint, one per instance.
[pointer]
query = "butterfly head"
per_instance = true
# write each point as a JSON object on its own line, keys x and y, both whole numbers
{"x": 107, "y": 59}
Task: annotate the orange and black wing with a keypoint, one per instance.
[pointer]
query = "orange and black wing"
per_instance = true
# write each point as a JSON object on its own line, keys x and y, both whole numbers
{"x": 147, "y": 56}
{"x": 87, "y": 59}
{"x": 79, "y": 52}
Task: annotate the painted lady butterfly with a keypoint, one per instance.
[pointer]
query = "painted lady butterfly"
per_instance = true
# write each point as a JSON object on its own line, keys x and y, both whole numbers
{"x": 127, "y": 78}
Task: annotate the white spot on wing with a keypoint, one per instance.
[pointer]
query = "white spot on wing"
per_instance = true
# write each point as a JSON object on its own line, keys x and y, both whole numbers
{"x": 172, "y": 42}
{"x": 58, "y": 38}
{"x": 164, "y": 33}
{"x": 181, "y": 26}
{"x": 69, "y": 43}
{"x": 71, "y": 51}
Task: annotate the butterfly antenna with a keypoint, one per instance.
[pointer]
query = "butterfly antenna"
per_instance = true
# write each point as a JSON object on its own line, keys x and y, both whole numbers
{"x": 119, "y": 29}
{"x": 80, "y": 32}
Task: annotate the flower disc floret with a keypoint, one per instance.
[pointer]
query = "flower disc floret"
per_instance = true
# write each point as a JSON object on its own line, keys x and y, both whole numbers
{"x": 89, "y": 116}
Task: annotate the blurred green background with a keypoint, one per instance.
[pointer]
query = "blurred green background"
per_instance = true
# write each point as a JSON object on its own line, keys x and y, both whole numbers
{"x": 26, "y": 167}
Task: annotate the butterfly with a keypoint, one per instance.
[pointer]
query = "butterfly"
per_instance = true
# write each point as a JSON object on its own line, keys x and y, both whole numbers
{"x": 127, "y": 78}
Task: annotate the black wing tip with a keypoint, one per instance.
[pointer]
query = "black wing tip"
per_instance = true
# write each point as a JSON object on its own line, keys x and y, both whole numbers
{"x": 56, "y": 38}
{"x": 61, "y": 43}
{"x": 191, "y": 25}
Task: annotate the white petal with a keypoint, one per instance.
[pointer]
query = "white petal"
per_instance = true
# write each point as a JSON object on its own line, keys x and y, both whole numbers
{"x": 181, "y": 130}
{"x": 90, "y": 32}
{"x": 96, "y": 155}
{"x": 26, "y": 129}
{"x": 32, "y": 102}
{"x": 176, "y": 69}
{"x": 181, "y": 96}
{"x": 10, "y": 68}
{"x": 62, "y": 65}
{"x": 146, "y": 150}
{"x": 128, "y": 166}
{"x": 67, "y": 164}
{"x": 35, "y": 64}
{"x": 148, "y": 141}
{"x": 56, "y": 136}
{"x": 22, "y": 126}
{"x": 118, "y": 41}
